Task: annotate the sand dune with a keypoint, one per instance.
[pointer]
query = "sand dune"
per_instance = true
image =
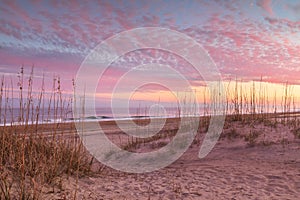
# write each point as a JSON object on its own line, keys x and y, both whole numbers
{"x": 235, "y": 169}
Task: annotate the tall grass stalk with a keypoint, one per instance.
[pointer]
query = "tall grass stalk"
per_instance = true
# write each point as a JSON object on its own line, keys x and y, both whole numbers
{"x": 28, "y": 157}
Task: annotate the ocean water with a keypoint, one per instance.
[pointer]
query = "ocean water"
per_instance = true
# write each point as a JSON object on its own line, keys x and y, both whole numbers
{"x": 46, "y": 115}
{"x": 49, "y": 115}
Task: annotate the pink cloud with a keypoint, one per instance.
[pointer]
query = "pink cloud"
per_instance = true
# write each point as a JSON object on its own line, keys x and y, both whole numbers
{"x": 283, "y": 22}
{"x": 247, "y": 49}
{"x": 11, "y": 29}
{"x": 239, "y": 45}
{"x": 295, "y": 8}
{"x": 266, "y": 5}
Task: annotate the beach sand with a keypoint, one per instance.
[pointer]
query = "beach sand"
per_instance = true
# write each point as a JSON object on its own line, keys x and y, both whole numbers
{"x": 237, "y": 168}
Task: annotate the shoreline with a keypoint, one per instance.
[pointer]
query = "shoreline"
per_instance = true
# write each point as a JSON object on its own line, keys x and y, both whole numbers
{"x": 143, "y": 119}
{"x": 256, "y": 156}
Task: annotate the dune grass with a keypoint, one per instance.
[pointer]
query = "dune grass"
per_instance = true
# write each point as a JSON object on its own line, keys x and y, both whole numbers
{"x": 34, "y": 155}
{"x": 30, "y": 158}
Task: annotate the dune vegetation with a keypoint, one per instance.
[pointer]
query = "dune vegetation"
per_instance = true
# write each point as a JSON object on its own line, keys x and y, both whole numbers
{"x": 35, "y": 157}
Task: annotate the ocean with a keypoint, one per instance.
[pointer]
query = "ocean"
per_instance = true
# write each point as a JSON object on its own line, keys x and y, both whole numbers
{"x": 49, "y": 115}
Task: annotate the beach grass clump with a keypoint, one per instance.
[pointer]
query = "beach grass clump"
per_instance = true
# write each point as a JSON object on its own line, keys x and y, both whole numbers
{"x": 33, "y": 155}
{"x": 252, "y": 137}
{"x": 232, "y": 134}
{"x": 296, "y": 133}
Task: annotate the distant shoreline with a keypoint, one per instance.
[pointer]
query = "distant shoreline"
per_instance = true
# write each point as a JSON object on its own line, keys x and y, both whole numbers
{"x": 110, "y": 124}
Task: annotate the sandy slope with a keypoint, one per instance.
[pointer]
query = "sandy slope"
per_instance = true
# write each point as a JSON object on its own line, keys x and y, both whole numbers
{"x": 233, "y": 170}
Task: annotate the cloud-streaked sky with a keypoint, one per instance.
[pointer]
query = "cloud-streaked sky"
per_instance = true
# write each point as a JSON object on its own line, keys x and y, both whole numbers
{"x": 246, "y": 39}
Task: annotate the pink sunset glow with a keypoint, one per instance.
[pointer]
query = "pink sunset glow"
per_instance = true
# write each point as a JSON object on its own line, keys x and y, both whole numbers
{"x": 246, "y": 39}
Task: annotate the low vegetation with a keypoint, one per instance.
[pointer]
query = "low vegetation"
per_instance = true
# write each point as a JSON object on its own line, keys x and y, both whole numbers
{"x": 33, "y": 156}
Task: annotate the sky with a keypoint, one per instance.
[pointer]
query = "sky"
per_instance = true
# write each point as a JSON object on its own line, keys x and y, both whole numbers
{"x": 247, "y": 40}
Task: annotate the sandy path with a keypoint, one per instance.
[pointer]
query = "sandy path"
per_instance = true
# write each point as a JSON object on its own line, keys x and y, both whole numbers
{"x": 231, "y": 171}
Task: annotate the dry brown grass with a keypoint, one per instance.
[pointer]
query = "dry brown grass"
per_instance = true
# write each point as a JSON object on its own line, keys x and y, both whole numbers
{"x": 33, "y": 155}
{"x": 31, "y": 159}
